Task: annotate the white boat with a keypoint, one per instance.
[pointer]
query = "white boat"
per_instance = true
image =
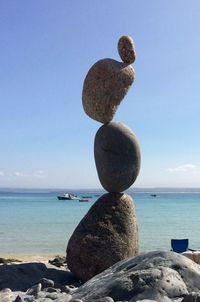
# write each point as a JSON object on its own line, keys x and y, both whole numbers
{"x": 67, "y": 196}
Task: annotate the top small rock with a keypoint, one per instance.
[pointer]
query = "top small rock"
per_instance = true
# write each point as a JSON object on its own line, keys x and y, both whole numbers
{"x": 126, "y": 49}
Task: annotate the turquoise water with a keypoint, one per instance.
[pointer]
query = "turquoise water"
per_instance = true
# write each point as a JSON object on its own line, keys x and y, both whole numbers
{"x": 39, "y": 224}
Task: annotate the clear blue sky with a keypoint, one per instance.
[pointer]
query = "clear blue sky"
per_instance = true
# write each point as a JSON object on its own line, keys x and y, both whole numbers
{"x": 46, "y": 50}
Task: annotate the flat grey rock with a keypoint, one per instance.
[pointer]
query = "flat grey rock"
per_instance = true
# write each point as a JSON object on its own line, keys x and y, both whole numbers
{"x": 159, "y": 276}
{"x": 20, "y": 277}
{"x": 107, "y": 234}
{"x": 117, "y": 156}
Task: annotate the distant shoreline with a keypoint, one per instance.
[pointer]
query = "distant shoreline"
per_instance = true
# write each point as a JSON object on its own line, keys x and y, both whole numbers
{"x": 101, "y": 191}
{"x": 23, "y": 258}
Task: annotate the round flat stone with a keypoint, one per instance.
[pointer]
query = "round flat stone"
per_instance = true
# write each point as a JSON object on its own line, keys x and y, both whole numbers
{"x": 117, "y": 157}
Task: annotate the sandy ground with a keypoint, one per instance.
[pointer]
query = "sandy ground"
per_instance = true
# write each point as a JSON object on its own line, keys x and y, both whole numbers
{"x": 30, "y": 258}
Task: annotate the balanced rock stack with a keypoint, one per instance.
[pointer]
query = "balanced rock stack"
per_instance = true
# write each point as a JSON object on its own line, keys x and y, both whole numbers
{"x": 108, "y": 233}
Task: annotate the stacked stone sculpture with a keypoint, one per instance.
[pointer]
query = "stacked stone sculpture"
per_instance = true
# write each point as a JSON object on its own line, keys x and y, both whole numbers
{"x": 108, "y": 233}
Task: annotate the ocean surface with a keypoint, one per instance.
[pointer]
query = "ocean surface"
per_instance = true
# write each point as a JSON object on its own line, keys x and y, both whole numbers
{"x": 39, "y": 224}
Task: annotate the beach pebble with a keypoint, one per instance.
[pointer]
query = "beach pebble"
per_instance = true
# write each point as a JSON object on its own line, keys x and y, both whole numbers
{"x": 63, "y": 298}
{"x": 70, "y": 289}
{"x": 107, "y": 234}
{"x": 6, "y": 299}
{"x": 6, "y": 295}
{"x": 104, "y": 299}
{"x": 76, "y": 300}
{"x": 105, "y": 85}
{"x": 126, "y": 49}
{"x": 147, "y": 300}
{"x": 19, "y": 299}
{"x": 58, "y": 261}
{"x": 43, "y": 300}
{"x": 46, "y": 283}
{"x": 29, "y": 299}
{"x": 52, "y": 296}
{"x": 192, "y": 297}
{"x": 52, "y": 290}
{"x": 34, "y": 290}
{"x": 117, "y": 156}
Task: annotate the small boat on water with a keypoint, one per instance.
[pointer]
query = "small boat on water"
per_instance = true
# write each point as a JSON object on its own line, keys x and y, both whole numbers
{"x": 153, "y": 195}
{"x": 83, "y": 200}
{"x": 86, "y": 196}
{"x": 67, "y": 196}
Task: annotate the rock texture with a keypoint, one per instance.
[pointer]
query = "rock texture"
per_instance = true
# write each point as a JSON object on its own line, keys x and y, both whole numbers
{"x": 22, "y": 276}
{"x": 107, "y": 234}
{"x": 126, "y": 49}
{"x": 193, "y": 297}
{"x": 105, "y": 85}
{"x": 117, "y": 156}
{"x": 157, "y": 276}
{"x": 28, "y": 282}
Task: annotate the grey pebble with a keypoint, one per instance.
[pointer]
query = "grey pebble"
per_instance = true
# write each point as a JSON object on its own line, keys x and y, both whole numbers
{"x": 52, "y": 296}
{"x": 6, "y": 299}
{"x": 34, "y": 290}
{"x": 5, "y": 291}
{"x": 105, "y": 299}
{"x": 29, "y": 299}
{"x": 52, "y": 290}
{"x": 43, "y": 300}
{"x": 146, "y": 300}
{"x": 19, "y": 299}
{"x": 70, "y": 289}
{"x": 63, "y": 298}
{"x": 46, "y": 283}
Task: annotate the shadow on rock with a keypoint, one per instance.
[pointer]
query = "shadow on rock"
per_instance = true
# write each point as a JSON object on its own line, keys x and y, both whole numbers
{"x": 20, "y": 277}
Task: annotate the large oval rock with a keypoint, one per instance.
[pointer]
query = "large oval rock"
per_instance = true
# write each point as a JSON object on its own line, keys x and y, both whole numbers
{"x": 105, "y": 85}
{"x": 117, "y": 156}
{"x": 107, "y": 234}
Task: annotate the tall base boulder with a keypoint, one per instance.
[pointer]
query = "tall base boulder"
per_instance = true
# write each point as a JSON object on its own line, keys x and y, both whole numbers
{"x": 107, "y": 234}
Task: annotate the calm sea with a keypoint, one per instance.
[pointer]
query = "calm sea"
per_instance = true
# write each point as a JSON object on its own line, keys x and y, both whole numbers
{"x": 40, "y": 224}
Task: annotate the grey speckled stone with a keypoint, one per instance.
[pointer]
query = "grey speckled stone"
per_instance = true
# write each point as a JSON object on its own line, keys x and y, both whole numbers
{"x": 107, "y": 234}
{"x": 105, "y": 85}
{"x": 159, "y": 276}
{"x": 126, "y": 49}
{"x": 117, "y": 157}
